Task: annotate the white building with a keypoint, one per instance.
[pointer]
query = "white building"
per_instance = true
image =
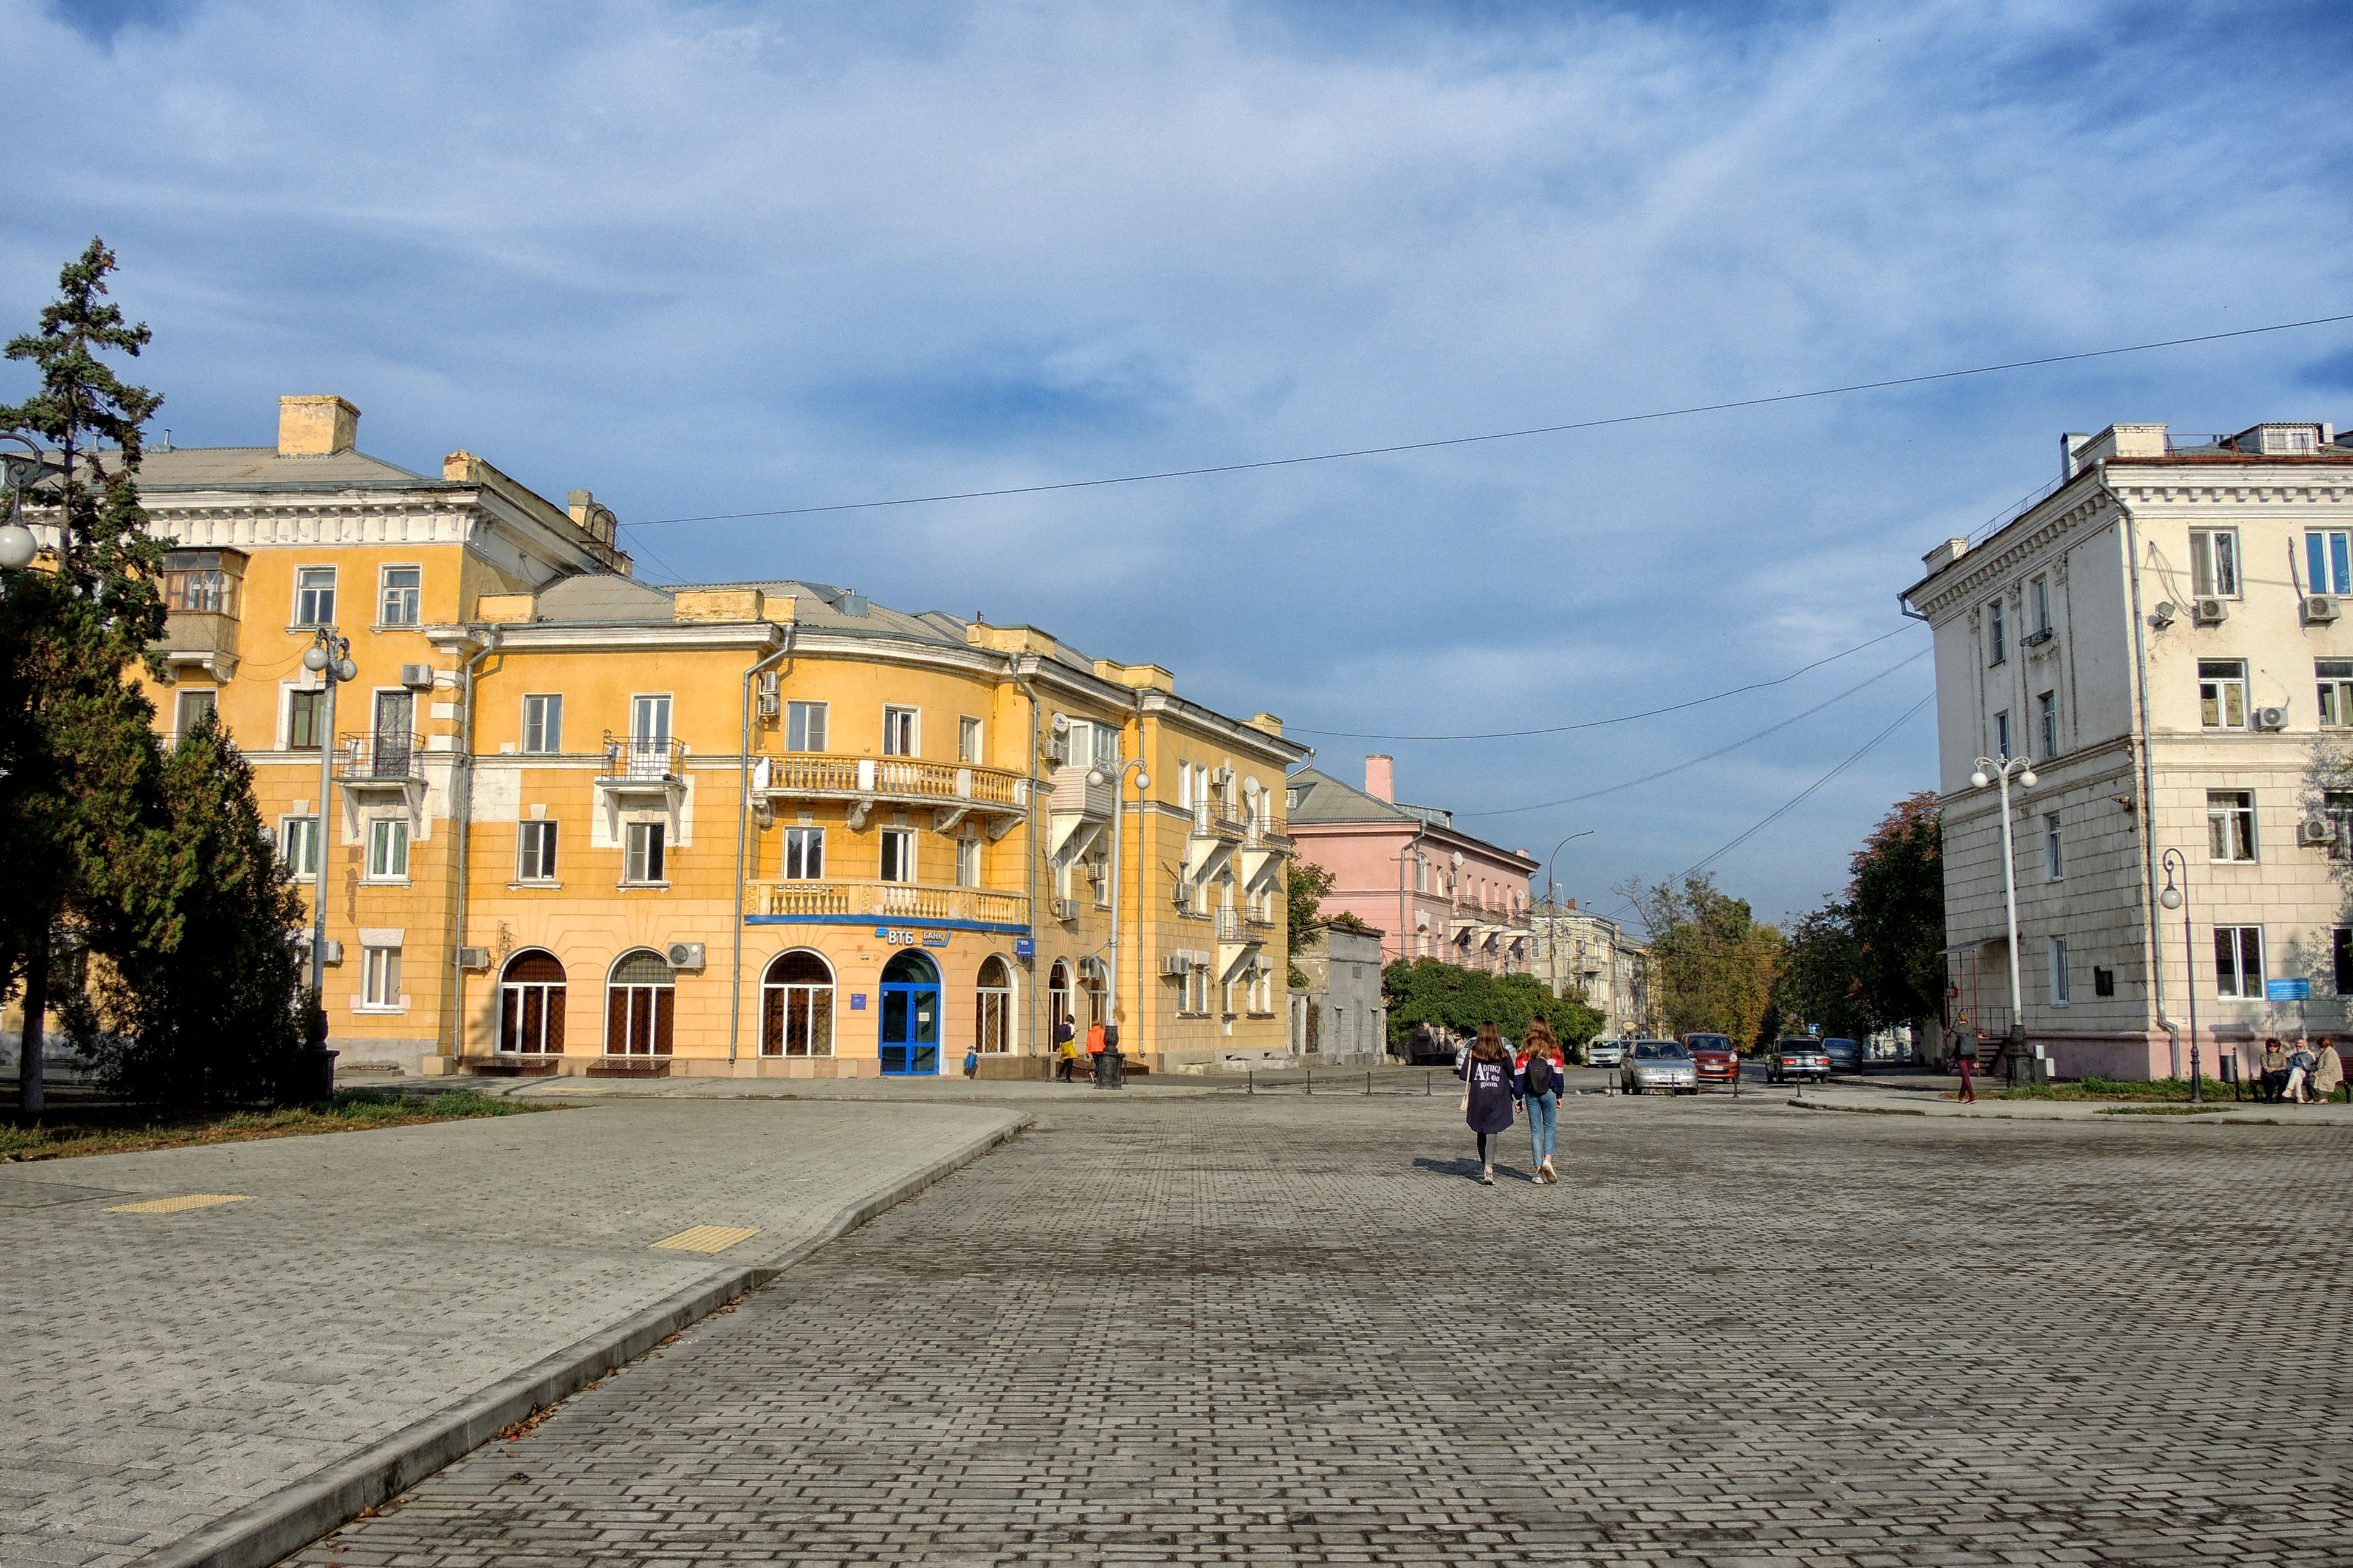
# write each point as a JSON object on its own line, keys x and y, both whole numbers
{"x": 2162, "y": 634}
{"x": 1579, "y": 952}
{"x": 1340, "y": 1016}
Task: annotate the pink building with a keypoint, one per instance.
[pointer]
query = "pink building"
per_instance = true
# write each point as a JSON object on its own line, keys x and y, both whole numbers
{"x": 1438, "y": 893}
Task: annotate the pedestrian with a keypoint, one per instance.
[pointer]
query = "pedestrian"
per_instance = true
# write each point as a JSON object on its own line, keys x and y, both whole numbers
{"x": 1966, "y": 1060}
{"x": 1487, "y": 1095}
{"x": 2299, "y": 1074}
{"x": 2327, "y": 1068}
{"x": 2274, "y": 1069}
{"x": 971, "y": 1060}
{"x": 1538, "y": 1076}
{"x": 1066, "y": 1050}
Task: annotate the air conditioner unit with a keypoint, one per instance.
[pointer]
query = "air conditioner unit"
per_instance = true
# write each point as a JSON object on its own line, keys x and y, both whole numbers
{"x": 2319, "y": 608}
{"x": 2212, "y": 612}
{"x": 1066, "y": 909}
{"x": 2316, "y": 831}
{"x": 473, "y": 958}
{"x": 686, "y": 956}
{"x": 416, "y": 676}
{"x": 1174, "y": 963}
{"x": 771, "y": 694}
{"x": 2271, "y": 718}
{"x": 334, "y": 950}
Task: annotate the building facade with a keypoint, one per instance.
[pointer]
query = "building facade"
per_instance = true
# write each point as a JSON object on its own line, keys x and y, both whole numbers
{"x": 2162, "y": 634}
{"x": 1340, "y": 1016}
{"x": 1575, "y": 950}
{"x": 1438, "y": 893}
{"x": 577, "y": 823}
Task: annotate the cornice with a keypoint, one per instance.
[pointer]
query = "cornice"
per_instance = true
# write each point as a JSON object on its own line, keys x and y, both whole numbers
{"x": 588, "y": 636}
{"x": 1975, "y": 576}
{"x": 1233, "y": 731}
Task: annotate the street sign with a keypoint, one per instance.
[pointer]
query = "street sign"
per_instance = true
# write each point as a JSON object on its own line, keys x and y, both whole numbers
{"x": 1025, "y": 947}
{"x": 2296, "y": 990}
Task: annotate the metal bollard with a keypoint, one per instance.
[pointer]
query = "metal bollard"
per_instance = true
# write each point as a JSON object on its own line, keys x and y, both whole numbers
{"x": 1426, "y": 1078}
{"x": 1368, "y": 1086}
{"x": 1251, "y": 1077}
{"x": 1310, "y": 1080}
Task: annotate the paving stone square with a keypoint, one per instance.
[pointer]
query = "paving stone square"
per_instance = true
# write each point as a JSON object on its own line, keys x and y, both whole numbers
{"x": 1270, "y": 1329}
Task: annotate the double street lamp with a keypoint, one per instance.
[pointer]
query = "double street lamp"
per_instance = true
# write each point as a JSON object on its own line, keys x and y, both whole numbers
{"x": 1116, "y": 776}
{"x": 1990, "y": 769}
{"x": 2175, "y": 897}
{"x": 329, "y": 659}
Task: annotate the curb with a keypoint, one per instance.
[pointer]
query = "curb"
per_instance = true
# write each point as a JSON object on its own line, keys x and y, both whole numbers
{"x": 270, "y": 1527}
{"x": 1861, "y": 1110}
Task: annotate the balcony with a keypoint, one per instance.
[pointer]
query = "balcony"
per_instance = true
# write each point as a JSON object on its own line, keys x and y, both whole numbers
{"x": 1238, "y": 942}
{"x": 201, "y": 588}
{"x": 635, "y": 759}
{"x": 953, "y": 791}
{"x": 389, "y": 761}
{"x": 1077, "y": 814}
{"x": 1210, "y": 842}
{"x": 1263, "y": 852}
{"x": 846, "y": 902}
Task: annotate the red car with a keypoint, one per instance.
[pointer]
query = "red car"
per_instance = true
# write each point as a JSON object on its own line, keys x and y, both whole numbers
{"x": 1713, "y": 1057}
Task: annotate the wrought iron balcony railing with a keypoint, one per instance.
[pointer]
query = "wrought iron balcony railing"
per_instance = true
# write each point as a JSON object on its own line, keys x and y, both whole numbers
{"x": 380, "y": 756}
{"x": 640, "y": 757}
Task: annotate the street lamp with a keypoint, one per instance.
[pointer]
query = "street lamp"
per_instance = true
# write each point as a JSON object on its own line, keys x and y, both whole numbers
{"x": 2001, "y": 769}
{"x": 1117, "y": 778}
{"x": 17, "y": 470}
{"x": 329, "y": 659}
{"x": 2175, "y": 897}
{"x": 1552, "y": 905}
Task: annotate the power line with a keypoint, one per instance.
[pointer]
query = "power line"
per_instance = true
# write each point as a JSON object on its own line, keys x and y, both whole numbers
{"x": 1495, "y": 435}
{"x": 1621, "y": 719}
{"x": 1711, "y": 756}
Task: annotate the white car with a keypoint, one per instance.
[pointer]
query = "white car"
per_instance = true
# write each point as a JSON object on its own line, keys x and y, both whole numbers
{"x": 1604, "y": 1053}
{"x": 1659, "y": 1066}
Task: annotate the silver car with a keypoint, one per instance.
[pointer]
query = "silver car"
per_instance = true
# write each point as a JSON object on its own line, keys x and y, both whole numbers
{"x": 1604, "y": 1053}
{"x": 1658, "y": 1066}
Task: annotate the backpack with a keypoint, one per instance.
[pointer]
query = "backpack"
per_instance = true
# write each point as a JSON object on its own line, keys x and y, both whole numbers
{"x": 1539, "y": 1079}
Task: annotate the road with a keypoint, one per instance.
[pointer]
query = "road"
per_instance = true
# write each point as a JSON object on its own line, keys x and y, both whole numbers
{"x": 1277, "y": 1329}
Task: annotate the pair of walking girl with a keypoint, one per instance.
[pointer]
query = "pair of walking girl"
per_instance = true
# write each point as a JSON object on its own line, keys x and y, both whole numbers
{"x": 1494, "y": 1081}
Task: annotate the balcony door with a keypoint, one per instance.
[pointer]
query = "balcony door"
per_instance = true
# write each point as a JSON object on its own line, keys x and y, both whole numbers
{"x": 395, "y": 722}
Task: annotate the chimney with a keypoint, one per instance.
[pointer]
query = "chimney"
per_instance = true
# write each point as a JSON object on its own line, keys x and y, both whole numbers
{"x": 1380, "y": 778}
{"x": 316, "y": 426}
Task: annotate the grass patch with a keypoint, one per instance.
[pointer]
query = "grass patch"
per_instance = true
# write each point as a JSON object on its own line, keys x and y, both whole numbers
{"x": 2209, "y": 1108}
{"x": 100, "y": 1129}
{"x": 2126, "y": 1089}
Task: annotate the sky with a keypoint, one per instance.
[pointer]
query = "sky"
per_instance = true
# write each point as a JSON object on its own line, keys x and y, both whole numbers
{"x": 723, "y": 258}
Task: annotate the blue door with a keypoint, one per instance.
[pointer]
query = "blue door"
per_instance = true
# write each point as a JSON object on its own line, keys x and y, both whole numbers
{"x": 910, "y": 1017}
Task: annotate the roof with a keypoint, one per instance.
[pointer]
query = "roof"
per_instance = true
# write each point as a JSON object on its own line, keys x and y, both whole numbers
{"x": 603, "y": 596}
{"x": 201, "y": 467}
{"x": 1323, "y": 799}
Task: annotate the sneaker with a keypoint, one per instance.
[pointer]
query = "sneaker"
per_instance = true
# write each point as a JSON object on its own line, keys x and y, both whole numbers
{"x": 1486, "y": 1178}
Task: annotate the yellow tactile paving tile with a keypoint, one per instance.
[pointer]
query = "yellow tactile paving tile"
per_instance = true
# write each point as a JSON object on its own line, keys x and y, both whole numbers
{"x": 706, "y": 1238}
{"x": 175, "y": 1205}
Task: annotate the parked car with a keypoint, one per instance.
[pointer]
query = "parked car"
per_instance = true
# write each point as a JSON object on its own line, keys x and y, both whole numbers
{"x": 1845, "y": 1054}
{"x": 1713, "y": 1058}
{"x": 1661, "y": 1065}
{"x": 1796, "y": 1056}
{"x": 1604, "y": 1053}
{"x": 1427, "y": 1046}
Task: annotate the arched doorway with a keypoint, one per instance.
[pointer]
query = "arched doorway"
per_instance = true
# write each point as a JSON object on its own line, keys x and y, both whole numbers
{"x": 530, "y": 1005}
{"x": 641, "y": 995}
{"x": 993, "y": 1016}
{"x": 1058, "y": 1002}
{"x": 910, "y": 1017}
{"x": 1093, "y": 979}
{"x": 796, "y": 1006}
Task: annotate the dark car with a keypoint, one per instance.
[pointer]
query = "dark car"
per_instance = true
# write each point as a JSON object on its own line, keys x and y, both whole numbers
{"x": 1799, "y": 1056}
{"x": 1713, "y": 1057}
{"x": 1845, "y": 1054}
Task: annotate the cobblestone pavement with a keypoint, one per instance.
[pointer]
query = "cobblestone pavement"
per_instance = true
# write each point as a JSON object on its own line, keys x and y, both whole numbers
{"x": 1281, "y": 1330}
{"x": 166, "y": 1369}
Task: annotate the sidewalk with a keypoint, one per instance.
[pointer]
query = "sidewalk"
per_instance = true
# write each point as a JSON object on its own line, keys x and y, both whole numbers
{"x": 222, "y": 1383}
{"x": 1924, "y": 1096}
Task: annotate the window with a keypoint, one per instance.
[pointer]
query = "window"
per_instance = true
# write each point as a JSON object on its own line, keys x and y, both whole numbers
{"x": 993, "y": 1025}
{"x": 2058, "y": 972}
{"x": 2223, "y": 693}
{"x": 2231, "y": 824}
{"x": 1196, "y": 998}
{"x": 380, "y": 977}
{"x": 644, "y": 846}
{"x": 306, "y": 720}
{"x": 803, "y": 855}
{"x": 542, "y": 724}
{"x": 899, "y": 732}
{"x": 797, "y": 1008}
{"x": 2002, "y": 736}
{"x": 2329, "y": 562}
{"x": 967, "y": 862}
{"x": 2335, "y": 676}
{"x": 2239, "y": 963}
{"x": 2214, "y": 562}
{"x": 1185, "y": 787}
{"x": 2343, "y": 951}
{"x": 189, "y": 711}
{"x": 530, "y": 1005}
{"x": 639, "y": 999}
{"x": 298, "y": 840}
{"x": 315, "y": 595}
{"x": 649, "y": 720}
{"x": 2046, "y": 721}
{"x": 401, "y": 585}
{"x": 387, "y": 857}
{"x": 968, "y": 741}
{"x": 805, "y": 726}
{"x": 535, "y": 852}
{"x": 2038, "y": 601}
{"x": 205, "y": 590}
{"x": 1997, "y": 633}
{"x": 2054, "y": 867}
{"x": 899, "y": 855}
{"x": 2336, "y": 809}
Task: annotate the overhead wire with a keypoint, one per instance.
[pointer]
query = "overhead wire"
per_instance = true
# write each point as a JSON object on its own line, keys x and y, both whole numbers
{"x": 1494, "y": 434}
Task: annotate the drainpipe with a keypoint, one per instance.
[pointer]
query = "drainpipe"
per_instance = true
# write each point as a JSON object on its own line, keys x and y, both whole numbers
{"x": 1030, "y": 842}
{"x": 465, "y": 823}
{"x": 1411, "y": 846}
{"x": 2148, "y": 783}
{"x": 1142, "y": 858}
{"x": 742, "y": 840}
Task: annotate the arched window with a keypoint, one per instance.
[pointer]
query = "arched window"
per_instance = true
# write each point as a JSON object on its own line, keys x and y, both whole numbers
{"x": 639, "y": 998}
{"x": 995, "y": 1013}
{"x": 797, "y": 1008}
{"x": 1058, "y": 999}
{"x": 531, "y": 1003}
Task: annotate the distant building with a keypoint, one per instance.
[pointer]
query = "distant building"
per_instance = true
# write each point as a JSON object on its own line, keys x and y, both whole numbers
{"x": 1340, "y": 1016}
{"x": 2164, "y": 634}
{"x": 1576, "y": 952}
{"x": 1439, "y": 893}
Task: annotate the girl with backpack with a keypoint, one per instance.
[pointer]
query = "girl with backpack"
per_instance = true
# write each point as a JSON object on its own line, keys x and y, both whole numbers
{"x": 1538, "y": 1078}
{"x": 1487, "y": 1094}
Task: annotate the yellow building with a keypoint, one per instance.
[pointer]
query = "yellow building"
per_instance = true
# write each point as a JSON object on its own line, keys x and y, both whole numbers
{"x": 580, "y": 822}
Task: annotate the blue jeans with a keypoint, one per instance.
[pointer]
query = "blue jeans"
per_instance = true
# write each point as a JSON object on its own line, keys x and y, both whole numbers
{"x": 1540, "y": 1122}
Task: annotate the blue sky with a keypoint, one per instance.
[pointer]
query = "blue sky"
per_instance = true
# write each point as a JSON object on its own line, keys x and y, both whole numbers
{"x": 714, "y": 258}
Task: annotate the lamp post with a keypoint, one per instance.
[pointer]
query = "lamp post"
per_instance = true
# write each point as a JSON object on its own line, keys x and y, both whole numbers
{"x": 1552, "y": 904}
{"x": 2001, "y": 768}
{"x": 2175, "y": 897}
{"x": 329, "y": 659}
{"x": 18, "y": 470}
{"x": 1117, "y": 778}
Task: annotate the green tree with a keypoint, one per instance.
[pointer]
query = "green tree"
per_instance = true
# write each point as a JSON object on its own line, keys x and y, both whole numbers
{"x": 1712, "y": 965}
{"x": 1896, "y": 910}
{"x": 1821, "y": 979}
{"x": 1306, "y": 883}
{"x": 1447, "y": 995}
